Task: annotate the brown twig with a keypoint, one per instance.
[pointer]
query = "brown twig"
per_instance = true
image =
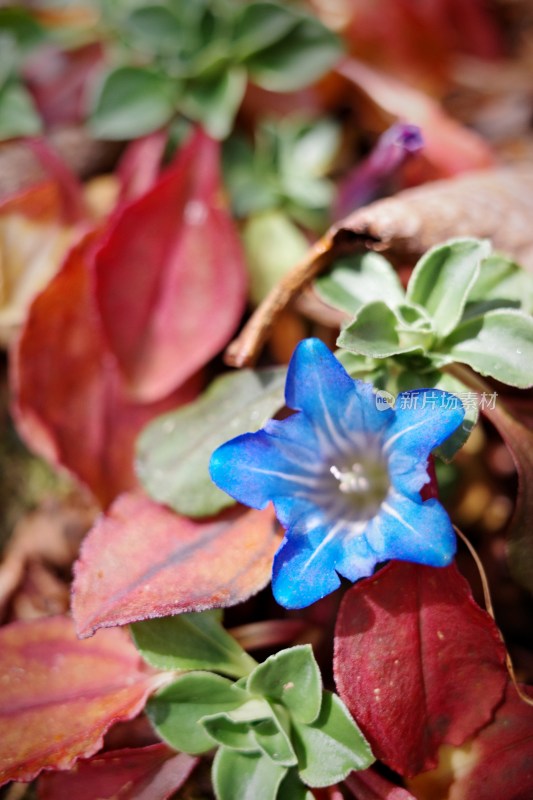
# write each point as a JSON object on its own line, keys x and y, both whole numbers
{"x": 490, "y": 610}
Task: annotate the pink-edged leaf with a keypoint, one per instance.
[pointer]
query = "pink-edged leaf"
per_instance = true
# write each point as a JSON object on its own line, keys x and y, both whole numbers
{"x": 519, "y": 440}
{"x": 140, "y": 164}
{"x": 170, "y": 278}
{"x": 142, "y": 560}
{"x": 70, "y": 404}
{"x": 449, "y": 147}
{"x": 60, "y": 695}
{"x": 370, "y": 785}
{"x": 500, "y": 763}
{"x": 59, "y": 80}
{"x": 417, "y": 662}
{"x": 142, "y": 773}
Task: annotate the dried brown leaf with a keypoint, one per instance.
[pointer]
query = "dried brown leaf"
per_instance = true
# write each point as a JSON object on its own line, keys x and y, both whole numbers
{"x": 495, "y": 203}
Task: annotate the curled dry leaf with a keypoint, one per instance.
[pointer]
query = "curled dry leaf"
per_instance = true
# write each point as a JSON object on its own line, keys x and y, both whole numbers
{"x": 497, "y": 204}
{"x": 49, "y": 536}
{"x": 173, "y": 268}
{"x": 60, "y": 695}
{"x": 417, "y": 662}
{"x": 142, "y": 560}
{"x": 154, "y": 772}
{"x": 70, "y": 403}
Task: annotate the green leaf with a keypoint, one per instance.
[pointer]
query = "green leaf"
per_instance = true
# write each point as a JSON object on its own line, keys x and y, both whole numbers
{"x": 292, "y": 678}
{"x": 176, "y": 710}
{"x": 273, "y": 244}
{"x": 499, "y": 344}
{"x": 18, "y": 115}
{"x": 156, "y": 27}
{"x": 357, "y": 280}
{"x": 245, "y": 776}
{"x": 235, "y": 735}
{"x": 174, "y": 450}
{"x": 448, "y": 449}
{"x": 191, "y": 641}
{"x": 133, "y": 101}
{"x": 377, "y": 331}
{"x": 301, "y": 57}
{"x": 292, "y": 788}
{"x": 501, "y": 282}
{"x": 274, "y": 741}
{"x": 308, "y": 148}
{"x": 215, "y": 100}
{"x": 333, "y": 746}
{"x": 260, "y": 25}
{"x": 253, "y": 710}
{"x": 443, "y": 278}
{"x": 251, "y": 187}
{"x": 22, "y": 27}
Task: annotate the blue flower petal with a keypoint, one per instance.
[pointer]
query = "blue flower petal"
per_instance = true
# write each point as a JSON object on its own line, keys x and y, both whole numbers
{"x": 423, "y": 419}
{"x": 341, "y": 409}
{"x": 302, "y": 573}
{"x": 257, "y": 467}
{"x": 419, "y": 532}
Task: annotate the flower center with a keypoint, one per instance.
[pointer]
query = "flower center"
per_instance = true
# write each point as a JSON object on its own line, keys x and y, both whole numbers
{"x": 361, "y": 486}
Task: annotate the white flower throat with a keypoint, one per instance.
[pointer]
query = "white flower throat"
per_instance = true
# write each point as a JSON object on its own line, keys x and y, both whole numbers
{"x": 361, "y": 486}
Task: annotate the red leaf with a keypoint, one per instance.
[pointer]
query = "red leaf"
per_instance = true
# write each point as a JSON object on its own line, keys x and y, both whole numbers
{"x": 142, "y": 560}
{"x": 59, "y": 80}
{"x": 370, "y": 785}
{"x": 417, "y": 662}
{"x": 60, "y": 695}
{"x": 502, "y": 756}
{"x": 171, "y": 276}
{"x": 71, "y": 406}
{"x": 142, "y": 773}
{"x": 139, "y": 167}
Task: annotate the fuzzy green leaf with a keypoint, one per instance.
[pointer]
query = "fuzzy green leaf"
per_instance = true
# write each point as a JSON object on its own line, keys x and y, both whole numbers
{"x": 292, "y": 678}
{"x": 501, "y": 283}
{"x": 174, "y": 450}
{"x": 245, "y": 776}
{"x": 133, "y": 101}
{"x": 214, "y": 100}
{"x": 378, "y": 331}
{"x": 498, "y": 343}
{"x": 235, "y": 735}
{"x": 296, "y": 60}
{"x": 443, "y": 278}
{"x": 333, "y": 746}
{"x": 357, "y": 280}
{"x": 156, "y": 27}
{"x": 274, "y": 740}
{"x": 273, "y": 244}
{"x": 176, "y": 710}
{"x": 191, "y": 641}
{"x": 292, "y": 788}
{"x": 260, "y": 25}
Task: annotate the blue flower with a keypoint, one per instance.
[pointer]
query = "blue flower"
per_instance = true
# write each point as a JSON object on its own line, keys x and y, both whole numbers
{"x": 344, "y": 477}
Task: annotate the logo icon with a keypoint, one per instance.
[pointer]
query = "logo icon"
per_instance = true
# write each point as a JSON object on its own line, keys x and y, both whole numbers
{"x": 384, "y": 400}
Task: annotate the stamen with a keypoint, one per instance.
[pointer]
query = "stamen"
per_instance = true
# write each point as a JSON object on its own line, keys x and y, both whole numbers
{"x": 352, "y": 480}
